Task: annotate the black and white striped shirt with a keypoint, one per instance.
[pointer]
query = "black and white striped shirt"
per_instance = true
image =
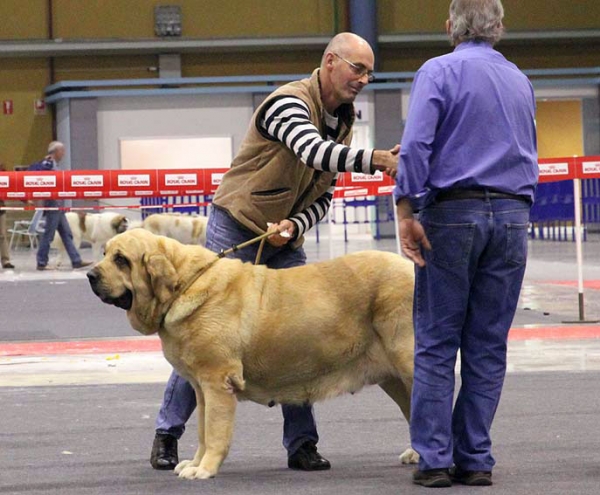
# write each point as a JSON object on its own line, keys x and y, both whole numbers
{"x": 287, "y": 119}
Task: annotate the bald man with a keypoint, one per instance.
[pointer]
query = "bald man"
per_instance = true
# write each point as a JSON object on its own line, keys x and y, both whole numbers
{"x": 284, "y": 174}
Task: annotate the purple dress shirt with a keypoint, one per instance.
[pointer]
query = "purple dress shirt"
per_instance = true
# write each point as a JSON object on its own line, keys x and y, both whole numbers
{"x": 470, "y": 125}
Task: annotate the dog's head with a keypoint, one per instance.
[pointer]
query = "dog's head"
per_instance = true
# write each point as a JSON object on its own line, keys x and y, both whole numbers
{"x": 140, "y": 274}
{"x": 120, "y": 224}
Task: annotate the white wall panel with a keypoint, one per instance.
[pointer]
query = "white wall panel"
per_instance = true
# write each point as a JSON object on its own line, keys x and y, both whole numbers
{"x": 198, "y": 116}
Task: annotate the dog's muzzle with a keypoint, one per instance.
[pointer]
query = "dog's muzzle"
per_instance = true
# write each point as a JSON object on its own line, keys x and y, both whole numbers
{"x": 124, "y": 301}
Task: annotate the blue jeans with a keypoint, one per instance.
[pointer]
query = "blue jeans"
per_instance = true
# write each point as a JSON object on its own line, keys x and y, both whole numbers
{"x": 465, "y": 299}
{"x": 179, "y": 399}
{"x": 56, "y": 221}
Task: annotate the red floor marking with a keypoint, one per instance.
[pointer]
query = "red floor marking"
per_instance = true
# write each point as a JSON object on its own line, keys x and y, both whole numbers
{"x": 587, "y": 284}
{"x": 80, "y": 347}
{"x": 108, "y": 346}
{"x": 583, "y": 331}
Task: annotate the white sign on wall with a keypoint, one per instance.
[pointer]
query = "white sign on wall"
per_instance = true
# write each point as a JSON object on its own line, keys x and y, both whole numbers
{"x": 175, "y": 152}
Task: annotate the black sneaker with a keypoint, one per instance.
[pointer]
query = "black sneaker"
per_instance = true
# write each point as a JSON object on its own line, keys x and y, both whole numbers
{"x": 8, "y": 266}
{"x": 432, "y": 478}
{"x": 306, "y": 458}
{"x": 164, "y": 455}
{"x": 471, "y": 478}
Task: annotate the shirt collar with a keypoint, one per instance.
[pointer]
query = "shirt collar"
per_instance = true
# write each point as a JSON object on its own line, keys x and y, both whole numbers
{"x": 472, "y": 44}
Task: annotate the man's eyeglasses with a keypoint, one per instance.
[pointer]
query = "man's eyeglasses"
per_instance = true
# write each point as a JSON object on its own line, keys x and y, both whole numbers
{"x": 359, "y": 70}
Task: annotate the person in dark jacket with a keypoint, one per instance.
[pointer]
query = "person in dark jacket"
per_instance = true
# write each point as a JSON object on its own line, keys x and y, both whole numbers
{"x": 56, "y": 221}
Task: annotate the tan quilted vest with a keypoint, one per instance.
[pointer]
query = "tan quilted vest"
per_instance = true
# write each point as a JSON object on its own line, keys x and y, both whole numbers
{"x": 267, "y": 182}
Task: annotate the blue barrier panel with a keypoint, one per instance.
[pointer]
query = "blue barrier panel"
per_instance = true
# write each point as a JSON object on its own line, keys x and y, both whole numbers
{"x": 553, "y": 213}
{"x": 166, "y": 204}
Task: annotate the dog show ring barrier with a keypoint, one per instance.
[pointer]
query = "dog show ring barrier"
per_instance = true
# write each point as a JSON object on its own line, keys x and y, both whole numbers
{"x": 118, "y": 184}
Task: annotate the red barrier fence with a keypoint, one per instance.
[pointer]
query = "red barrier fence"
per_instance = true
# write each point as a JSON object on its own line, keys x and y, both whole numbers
{"x": 97, "y": 184}
{"x": 569, "y": 168}
{"x": 114, "y": 184}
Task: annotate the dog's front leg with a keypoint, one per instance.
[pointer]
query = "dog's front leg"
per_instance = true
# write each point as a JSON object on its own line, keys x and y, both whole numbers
{"x": 219, "y": 414}
{"x": 195, "y": 462}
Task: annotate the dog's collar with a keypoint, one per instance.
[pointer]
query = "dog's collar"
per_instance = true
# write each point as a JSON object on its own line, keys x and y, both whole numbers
{"x": 185, "y": 287}
{"x": 222, "y": 254}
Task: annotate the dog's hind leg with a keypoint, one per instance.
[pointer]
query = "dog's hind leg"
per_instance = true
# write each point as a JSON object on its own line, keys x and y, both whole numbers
{"x": 400, "y": 394}
{"x": 219, "y": 415}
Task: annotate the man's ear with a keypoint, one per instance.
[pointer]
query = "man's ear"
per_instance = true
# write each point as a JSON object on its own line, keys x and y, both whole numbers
{"x": 163, "y": 277}
{"x": 329, "y": 57}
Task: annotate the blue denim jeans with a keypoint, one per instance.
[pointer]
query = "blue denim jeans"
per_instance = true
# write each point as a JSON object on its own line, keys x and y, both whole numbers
{"x": 56, "y": 221}
{"x": 465, "y": 299}
{"x": 179, "y": 399}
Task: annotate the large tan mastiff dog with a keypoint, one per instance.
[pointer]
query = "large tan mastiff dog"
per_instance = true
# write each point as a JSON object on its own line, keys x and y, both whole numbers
{"x": 237, "y": 331}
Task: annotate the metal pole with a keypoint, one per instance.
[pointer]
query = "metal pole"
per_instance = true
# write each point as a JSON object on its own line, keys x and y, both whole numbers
{"x": 578, "y": 243}
{"x": 363, "y": 21}
{"x": 579, "y": 247}
{"x": 330, "y": 230}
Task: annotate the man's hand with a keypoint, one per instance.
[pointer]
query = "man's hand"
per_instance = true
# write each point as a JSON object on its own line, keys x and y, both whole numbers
{"x": 412, "y": 237}
{"x": 387, "y": 161}
{"x": 282, "y": 233}
{"x": 412, "y": 234}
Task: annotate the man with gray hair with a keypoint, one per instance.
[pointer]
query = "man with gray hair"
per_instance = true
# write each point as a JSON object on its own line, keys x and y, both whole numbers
{"x": 56, "y": 219}
{"x": 468, "y": 165}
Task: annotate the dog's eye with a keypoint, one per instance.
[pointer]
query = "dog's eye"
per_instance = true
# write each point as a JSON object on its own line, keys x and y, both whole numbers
{"x": 121, "y": 261}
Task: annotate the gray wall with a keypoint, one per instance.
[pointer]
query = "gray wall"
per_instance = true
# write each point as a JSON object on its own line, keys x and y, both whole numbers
{"x": 388, "y": 118}
{"x": 84, "y": 134}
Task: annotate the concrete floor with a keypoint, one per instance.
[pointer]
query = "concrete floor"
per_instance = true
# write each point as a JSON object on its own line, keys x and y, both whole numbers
{"x": 78, "y": 406}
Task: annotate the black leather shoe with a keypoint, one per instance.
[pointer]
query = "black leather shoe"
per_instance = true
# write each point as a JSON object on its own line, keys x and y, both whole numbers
{"x": 432, "y": 478}
{"x": 306, "y": 458}
{"x": 471, "y": 478}
{"x": 164, "y": 452}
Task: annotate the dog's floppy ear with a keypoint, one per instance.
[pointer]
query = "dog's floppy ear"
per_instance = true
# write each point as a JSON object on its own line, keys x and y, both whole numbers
{"x": 119, "y": 224}
{"x": 163, "y": 277}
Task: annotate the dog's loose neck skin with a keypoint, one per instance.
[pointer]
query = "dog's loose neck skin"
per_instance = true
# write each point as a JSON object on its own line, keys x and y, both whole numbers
{"x": 182, "y": 287}
{"x": 165, "y": 289}
{"x": 145, "y": 318}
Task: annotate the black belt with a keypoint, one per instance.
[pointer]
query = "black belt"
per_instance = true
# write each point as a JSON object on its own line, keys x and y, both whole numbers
{"x": 453, "y": 194}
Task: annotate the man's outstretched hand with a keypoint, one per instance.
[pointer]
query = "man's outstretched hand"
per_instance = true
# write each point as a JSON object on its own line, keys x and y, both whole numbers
{"x": 386, "y": 161}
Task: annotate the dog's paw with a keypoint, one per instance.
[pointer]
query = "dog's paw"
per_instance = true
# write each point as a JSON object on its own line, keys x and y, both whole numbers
{"x": 184, "y": 464}
{"x": 409, "y": 456}
{"x": 194, "y": 473}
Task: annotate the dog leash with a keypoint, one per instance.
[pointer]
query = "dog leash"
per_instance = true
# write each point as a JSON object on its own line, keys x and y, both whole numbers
{"x": 237, "y": 247}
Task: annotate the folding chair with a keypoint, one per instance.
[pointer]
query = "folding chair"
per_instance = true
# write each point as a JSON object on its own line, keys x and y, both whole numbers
{"x": 27, "y": 228}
